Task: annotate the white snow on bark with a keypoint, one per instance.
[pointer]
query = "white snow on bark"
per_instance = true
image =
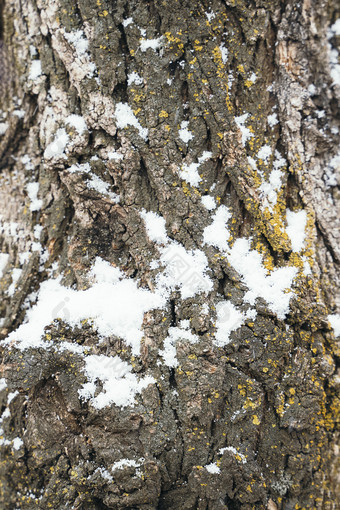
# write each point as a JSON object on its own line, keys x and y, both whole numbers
{"x": 125, "y": 117}
{"x": 296, "y": 225}
{"x": 35, "y": 70}
{"x": 335, "y": 323}
{"x": 120, "y": 385}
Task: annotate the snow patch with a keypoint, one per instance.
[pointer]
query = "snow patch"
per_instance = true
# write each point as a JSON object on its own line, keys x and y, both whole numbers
{"x": 296, "y": 225}
{"x": 17, "y": 443}
{"x": 77, "y": 122}
{"x": 217, "y": 233}
{"x": 102, "y": 187}
{"x": 153, "y": 44}
{"x": 127, "y": 22}
{"x": 16, "y": 273}
{"x": 115, "y": 304}
{"x": 335, "y": 323}
{"x": 209, "y": 202}
{"x": 134, "y": 78}
{"x": 155, "y": 227}
{"x": 224, "y": 53}
{"x": 58, "y": 146}
{"x": 264, "y": 153}
{"x": 246, "y": 133}
{"x": 35, "y": 70}
{"x": 189, "y": 173}
{"x": 273, "y": 288}
{"x": 122, "y": 463}
{"x": 3, "y": 128}
{"x": 213, "y": 468}
{"x": 332, "y": 171}
{"x": 78, "y": 40}
{"x": 184, "y": 133}
{"x": 182, "y": 332}
{"x": 3, "y": 262}
{"x": 185, "y": 270}
{"x": 32, "y": 191}
{"x": 120, "y": 385}
{"x": 229, "y": 319}
{"x": 125, "y": 117}
{"x": 272, "y": 119}
{"x": 115, "y": 155}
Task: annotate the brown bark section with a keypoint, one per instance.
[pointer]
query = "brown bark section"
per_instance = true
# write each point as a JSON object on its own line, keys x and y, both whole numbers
{"x": 269, "y": 396}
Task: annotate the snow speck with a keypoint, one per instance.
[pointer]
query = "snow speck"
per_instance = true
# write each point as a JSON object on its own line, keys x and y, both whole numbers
{"x": 213, "y": 468}
{"x": 120, "y": 385}
{"x": 57, "y": 147}
{"x": 209, "y": 202}
{"x": 32, "y": 191}
{"x": 115, "y": 155}
{"x": 127, "y": 22}
{"x": 80, "y": 167}
{"x": 78, "y": 40}
{"x": 264, "y": 153}
{"x": 183, "y": 333}
{"x": 312, "y": 89}
{"x": 77, "y": 122}
{"x": 217, "y": 233}
{"x": 19, "y": 113}
{"x": 246, "y": 133}
{"x": 102, "y": 187}
{"x": 17, "y": 443}
{"x": 296, "y": 224}
{"x": 229, "y": 319}
{"x": 3, "y": 384}
{"x": 3, "y": 262}
{"x": 134, "y": 78}
{"x": 155, "y": 227}
{"x": 153, "y": 44}
{"x": 184, "y": 133}
{"x": 272, "y": 119}
{"x": 125, "y": 117}
{"x": 224, "y": 53}
{"x": 210, "y": 15}
{"x": 122, "y": 463}
{"x": 3, "y": 128}
{"x": 335, "y": 323}
{"x": 37, "y": 231}
{"x": 332, "y": 170}
{"x": 16, "y": 273}
{"x": 335, "y": 28}
{"x": 253, "y": 77}
{"x": 35, "y": 70}
{"x": 252, "y": 162}
{"x": 189, "y": 173}
{"x": 233, "y": 450}
{"x": 185, "y": 270}
{"x": 334, "y": 65}
{"x": 268, "y": 189}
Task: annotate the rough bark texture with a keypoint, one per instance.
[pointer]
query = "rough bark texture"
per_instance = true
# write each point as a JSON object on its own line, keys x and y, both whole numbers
{"x": 269, "y": 396}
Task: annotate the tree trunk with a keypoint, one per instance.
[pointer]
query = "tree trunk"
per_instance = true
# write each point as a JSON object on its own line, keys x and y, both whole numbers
{"x": 169, "y": 253}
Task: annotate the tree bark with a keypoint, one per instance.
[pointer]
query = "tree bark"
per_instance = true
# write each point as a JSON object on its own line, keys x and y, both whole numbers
{"x": 220, "y": 118}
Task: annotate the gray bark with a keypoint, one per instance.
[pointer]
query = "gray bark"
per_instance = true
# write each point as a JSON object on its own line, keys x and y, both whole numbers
{"x": 263, "y": 407}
